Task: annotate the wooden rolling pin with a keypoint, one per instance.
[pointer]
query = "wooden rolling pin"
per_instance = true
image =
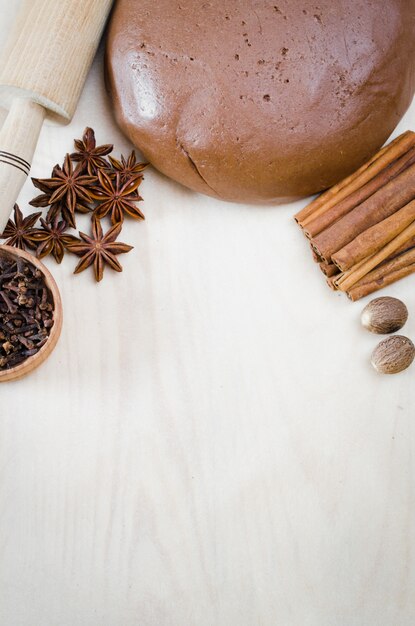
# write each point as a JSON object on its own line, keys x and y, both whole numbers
{"x": 42, "y": 68}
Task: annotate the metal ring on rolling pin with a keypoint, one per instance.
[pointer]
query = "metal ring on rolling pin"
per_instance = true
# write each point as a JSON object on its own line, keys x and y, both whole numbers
{"x": 18, "y": 162}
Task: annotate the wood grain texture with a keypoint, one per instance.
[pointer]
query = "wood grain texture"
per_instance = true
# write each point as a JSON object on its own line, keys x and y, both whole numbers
{"x": 208, "y": 445}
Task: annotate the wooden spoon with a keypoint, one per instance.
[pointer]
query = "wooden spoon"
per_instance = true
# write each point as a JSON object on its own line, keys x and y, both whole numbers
{"x": 34, "y": 361}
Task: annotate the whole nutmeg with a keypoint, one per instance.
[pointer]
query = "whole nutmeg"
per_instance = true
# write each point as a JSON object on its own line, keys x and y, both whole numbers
{"x": 393, "y": 354}
{"x": 384, "y": 315}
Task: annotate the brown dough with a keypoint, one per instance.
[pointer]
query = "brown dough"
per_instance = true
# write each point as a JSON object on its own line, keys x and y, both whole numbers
{"x": 257, "y": 101}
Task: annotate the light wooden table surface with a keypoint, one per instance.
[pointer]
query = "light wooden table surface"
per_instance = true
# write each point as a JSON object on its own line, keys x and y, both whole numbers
{"x": 208, "y": 445}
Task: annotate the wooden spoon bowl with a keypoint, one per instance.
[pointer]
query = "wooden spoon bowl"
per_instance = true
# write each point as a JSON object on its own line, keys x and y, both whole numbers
{"x": 37, "y": 359}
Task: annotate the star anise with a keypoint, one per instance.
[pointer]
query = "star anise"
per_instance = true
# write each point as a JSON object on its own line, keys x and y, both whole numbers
{"x": 99, "y": 249}
{"x": 128, "y": 169}
{"x": 41, "y": 201}
{"x": 116, "y": 198}
{"x": 68, "y": 185}
{"x": 19, "y": 233}
{"x": 56, "y": 209}
{"x": 88, "y": 154}
{"x": 50, "y": 239}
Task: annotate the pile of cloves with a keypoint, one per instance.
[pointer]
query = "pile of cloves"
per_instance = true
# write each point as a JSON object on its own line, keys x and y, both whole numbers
{"x": 26, "y": 310}
{"x": 383, "y": 316}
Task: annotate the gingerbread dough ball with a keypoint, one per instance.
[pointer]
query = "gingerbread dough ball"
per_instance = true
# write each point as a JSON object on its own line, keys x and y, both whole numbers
{"x": 259, "y": 101}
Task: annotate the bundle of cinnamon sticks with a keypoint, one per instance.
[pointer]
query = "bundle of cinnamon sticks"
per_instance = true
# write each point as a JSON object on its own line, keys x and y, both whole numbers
{"x": 362, "y": 230}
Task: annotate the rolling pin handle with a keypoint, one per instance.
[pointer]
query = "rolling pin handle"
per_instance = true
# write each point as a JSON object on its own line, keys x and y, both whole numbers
{"x": 18, "y": 139}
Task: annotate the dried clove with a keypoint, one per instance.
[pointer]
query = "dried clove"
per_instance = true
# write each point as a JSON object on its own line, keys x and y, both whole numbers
{"x": 26, "y": 310}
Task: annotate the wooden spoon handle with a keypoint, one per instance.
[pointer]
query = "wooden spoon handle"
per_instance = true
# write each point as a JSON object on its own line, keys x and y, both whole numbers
{"x": 18, "y": 139}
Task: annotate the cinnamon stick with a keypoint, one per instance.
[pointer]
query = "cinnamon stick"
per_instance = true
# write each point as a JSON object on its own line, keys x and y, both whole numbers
{"x": 330, "y": 280}
{"x": 407, "y": 245}
{"x": 340, "y": 278}
{"x": 348, "y": 185}
{"x": 384, "y": 275}
{"x": 362, "y": 231}
{"x": 321, "y": 221}
{"x": 316, "y": 258}
{"x": 357, "y": 292}
{"x": 374, "y": 238}
{"x": 394, "y": 195}
{"x": 329, "y": 269}
{"x": 362, "y": 268}
{"x": 398, "y": 262}
{"x": 404, "y": 247}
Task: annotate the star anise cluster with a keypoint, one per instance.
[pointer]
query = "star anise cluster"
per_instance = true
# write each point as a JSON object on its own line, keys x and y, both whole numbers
{"x": 90, "y": 182}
